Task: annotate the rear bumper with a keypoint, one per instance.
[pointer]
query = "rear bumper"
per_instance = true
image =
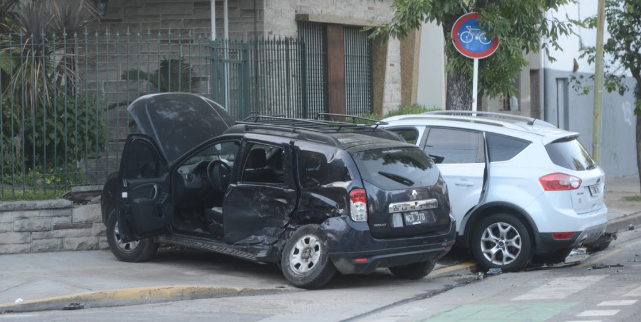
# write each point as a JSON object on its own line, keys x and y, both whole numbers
{"x": 347, "y": 241}
{"x": 548, "y": 244}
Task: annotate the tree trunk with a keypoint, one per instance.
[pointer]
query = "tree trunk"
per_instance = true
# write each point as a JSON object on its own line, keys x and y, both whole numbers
{"x": 457, "y": 95}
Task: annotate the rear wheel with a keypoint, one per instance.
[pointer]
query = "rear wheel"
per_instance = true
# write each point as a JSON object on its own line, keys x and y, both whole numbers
{"x": 305, "y": 261}
{"x": 413, "y": 271}
{"x": 501, "y": 241}
{"x": 134, "y": 251}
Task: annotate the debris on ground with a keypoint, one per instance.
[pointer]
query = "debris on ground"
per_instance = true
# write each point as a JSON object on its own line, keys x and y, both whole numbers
{"x": 600, "y": 266}
{"x": 494, "y": 271}
{"x": 631, "y": 227}
{"x": 601, "y": 243}
{"x": 19, "y": 300}
{"x": 74, "y": 306}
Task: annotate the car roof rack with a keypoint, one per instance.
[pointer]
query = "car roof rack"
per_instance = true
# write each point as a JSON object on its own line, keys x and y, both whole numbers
{"x": 528, "y": 120}
{"x": 316, "y": 125}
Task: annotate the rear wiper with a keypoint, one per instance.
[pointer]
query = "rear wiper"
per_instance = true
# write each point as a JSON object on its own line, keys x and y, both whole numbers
{"x": 397, "y": 178}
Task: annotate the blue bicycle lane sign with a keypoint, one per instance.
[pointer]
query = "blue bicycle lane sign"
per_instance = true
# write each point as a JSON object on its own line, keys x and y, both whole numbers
{"x": 470, "y": 40}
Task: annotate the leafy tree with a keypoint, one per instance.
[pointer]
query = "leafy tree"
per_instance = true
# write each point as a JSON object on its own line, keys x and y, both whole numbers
{"x": 622, "y": 53}
{"x": 519, "y": 24}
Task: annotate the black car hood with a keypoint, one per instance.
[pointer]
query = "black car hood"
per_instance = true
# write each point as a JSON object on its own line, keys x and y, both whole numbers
{"x": 178, "y": 122}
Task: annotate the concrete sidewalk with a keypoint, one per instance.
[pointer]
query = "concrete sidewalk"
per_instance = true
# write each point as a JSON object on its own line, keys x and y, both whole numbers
{"x": 86, "y": 279}
{"x": 622, "y": 213}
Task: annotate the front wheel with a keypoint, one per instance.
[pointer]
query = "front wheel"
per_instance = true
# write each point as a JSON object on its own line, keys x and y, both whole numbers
{"x": 305, "y": 261}
{"x": 501, "y": 241}
{"x": 413, "y": 271}
{"x": 134, "y": 251}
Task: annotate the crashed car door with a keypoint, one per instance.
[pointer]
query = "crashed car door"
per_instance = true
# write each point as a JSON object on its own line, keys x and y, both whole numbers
{"x": 257, "y": 208}
{"x": 146, "y": 208}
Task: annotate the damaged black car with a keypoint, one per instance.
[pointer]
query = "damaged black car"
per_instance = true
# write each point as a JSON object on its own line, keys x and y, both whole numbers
{"x": 313, "y": 196}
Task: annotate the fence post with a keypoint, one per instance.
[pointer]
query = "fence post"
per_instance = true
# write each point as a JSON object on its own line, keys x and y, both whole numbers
{"x": 303, "y": 78}
{"x": 245, "y": 79}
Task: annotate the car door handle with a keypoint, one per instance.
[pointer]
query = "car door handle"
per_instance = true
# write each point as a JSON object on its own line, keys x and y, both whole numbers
{"x": 154, "y": 192}
{"x": 464, "y": 183}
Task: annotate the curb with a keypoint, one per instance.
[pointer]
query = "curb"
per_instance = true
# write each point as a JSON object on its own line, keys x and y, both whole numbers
{"x": 132, "y": 296}
{"x": 623, "y": 222}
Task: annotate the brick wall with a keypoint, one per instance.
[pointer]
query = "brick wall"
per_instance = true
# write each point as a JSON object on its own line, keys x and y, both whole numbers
{"x": 50, "y": 226}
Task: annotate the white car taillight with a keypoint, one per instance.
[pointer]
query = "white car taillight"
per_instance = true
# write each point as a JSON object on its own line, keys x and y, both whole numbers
{"x": 358, "y": 205}
{"x": 559, "y": 181}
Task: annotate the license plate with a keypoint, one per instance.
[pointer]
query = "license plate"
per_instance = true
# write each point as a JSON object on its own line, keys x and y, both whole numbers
{"x": 594, "y": 190}
{"x": 418, "y": 218}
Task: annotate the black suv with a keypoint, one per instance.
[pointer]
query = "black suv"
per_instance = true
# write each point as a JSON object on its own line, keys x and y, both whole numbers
{"x": 313, "y": 196}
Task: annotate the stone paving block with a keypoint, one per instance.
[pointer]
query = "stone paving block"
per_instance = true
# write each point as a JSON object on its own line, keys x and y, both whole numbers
{"x": 32, "y": 224}
{"x": 15, "y": 238}
{"x": 6, "y": 227}
{"x": 82, "y": 243}
{"x": 46, "y": 245}
{"x": 98, "y": 229}
{"x": 63, "y": 233}
{"x": 88, "y": 213}
{"x": 15, "y": 248}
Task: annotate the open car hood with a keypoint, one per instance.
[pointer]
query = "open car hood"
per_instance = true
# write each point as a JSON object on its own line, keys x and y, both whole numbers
{"x": 178, "y": 122}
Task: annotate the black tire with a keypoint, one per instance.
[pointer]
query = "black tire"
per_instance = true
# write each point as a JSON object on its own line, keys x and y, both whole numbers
{"x": 556, "y": 257}
{"x": 137, "y": 251}
{"x": 507, "y": 256}
{"x": 305, "y": 261}
{"x": 413, "y": 271}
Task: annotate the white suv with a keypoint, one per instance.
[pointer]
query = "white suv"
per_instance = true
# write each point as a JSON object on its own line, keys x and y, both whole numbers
{"x": 520, "y": 188}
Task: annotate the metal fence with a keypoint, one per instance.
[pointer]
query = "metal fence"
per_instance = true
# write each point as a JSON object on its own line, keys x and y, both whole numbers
{"x": 64, "y": 97}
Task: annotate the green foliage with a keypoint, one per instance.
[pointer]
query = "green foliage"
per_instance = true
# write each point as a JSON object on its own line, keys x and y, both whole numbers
{"x": 72, "y": 128}
{"x": 173, "y": 75}
{"x": 622, "y": 51}
{"x": 29, "y": 194}
{"x": 632, "y": 198}
{"x": 519, "y": 25}
{"x": 403, "y": 110}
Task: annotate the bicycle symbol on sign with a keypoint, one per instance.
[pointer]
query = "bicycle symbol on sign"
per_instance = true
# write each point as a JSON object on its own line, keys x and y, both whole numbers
{"x": 474, "y": 33}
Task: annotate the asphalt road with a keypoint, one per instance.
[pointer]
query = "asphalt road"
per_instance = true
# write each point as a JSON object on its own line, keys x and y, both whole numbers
{"x": 605, "y": 286}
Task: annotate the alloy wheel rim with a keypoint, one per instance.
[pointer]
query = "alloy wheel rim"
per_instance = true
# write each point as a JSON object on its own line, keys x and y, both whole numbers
{"x": 501, "y": 243}
{"x": 124, "y": 247}
{"x": 305, "y": 255}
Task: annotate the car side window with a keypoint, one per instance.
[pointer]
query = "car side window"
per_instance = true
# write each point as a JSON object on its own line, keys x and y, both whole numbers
{"x": 264, "y": 164}
{"x": 410, "y": 135}
{"x": 455, "y": 146}
{"x": 142, "y": 161}
{"x": 503, "y": 148}
{"x": 312, "y": 169}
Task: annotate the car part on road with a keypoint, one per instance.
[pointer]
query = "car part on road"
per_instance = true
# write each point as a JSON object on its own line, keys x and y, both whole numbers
{"x": 602, "y": 243}
{"x": 558, "y": 256}
{"x": 501, "y": 241}
{"x": 134, "y": 251}
{"x": 305, "y": 260}
{"x": 413, "y": 271}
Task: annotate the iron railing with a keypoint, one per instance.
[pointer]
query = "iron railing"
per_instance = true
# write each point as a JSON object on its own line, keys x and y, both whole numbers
{"x": 64, "y": 99}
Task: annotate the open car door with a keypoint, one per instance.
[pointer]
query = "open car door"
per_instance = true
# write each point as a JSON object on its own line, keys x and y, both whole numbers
{"x": 146, "y": 208}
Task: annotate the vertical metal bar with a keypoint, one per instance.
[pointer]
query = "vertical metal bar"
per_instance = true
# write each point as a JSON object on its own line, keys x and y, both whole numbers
{"x": 118, "y": 72}
{"x": 107, "y": 39}
{"x": 245, "y": 78}
{"x": 44, "y": 121}
{"x": 303, "y": 64}
{"x": 2, "y": 141}
{"x": 97, "y": 119}
{"x": 169, "y": 89}
{"x": 189, "y": 45}
{"x": 287, "y": 77}
{"x": 97, "y": 103}
{"x": 13, "y": 139}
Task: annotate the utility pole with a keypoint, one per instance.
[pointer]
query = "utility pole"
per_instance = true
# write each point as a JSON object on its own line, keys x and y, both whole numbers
{"x": 598, "y": 85}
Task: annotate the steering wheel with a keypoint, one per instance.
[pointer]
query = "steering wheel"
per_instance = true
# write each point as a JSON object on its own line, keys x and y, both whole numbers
{"x": 218, "y": 174}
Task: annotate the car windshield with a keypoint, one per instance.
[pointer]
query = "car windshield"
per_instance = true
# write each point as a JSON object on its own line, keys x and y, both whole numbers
{"x": 396, "y": 168}
{"x": 570, "y": 154}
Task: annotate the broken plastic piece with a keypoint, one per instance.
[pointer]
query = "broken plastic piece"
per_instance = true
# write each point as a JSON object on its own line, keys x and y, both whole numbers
{"x": 19, "y": 300}
{"x": 494, "y": 271}
{"x": 74, "y": 306}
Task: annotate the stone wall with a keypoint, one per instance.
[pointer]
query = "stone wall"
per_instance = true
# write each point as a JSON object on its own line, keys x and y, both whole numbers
{"x": 50, "y": 226}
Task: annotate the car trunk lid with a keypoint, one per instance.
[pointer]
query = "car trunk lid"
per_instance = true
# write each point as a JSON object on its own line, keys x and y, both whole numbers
{"x": 406, "y": 195}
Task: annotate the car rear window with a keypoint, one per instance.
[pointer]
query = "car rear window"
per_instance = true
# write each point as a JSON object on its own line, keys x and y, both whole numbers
{"x": 503, "y": 148}
{"x": 395, "y": 168}
{"x": 570, "y": 154}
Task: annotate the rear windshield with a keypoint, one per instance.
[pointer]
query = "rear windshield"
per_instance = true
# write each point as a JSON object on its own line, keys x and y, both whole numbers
{"x": 396, "y": 168}
{"x": 570, "y": 154}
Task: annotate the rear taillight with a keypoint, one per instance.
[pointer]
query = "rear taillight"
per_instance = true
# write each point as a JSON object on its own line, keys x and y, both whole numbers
{"x": 559, "y": 181}
{"x": 358, "y": 205}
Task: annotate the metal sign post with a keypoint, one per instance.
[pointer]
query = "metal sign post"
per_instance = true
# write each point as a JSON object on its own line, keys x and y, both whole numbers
{"x": 470, "y": 41}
